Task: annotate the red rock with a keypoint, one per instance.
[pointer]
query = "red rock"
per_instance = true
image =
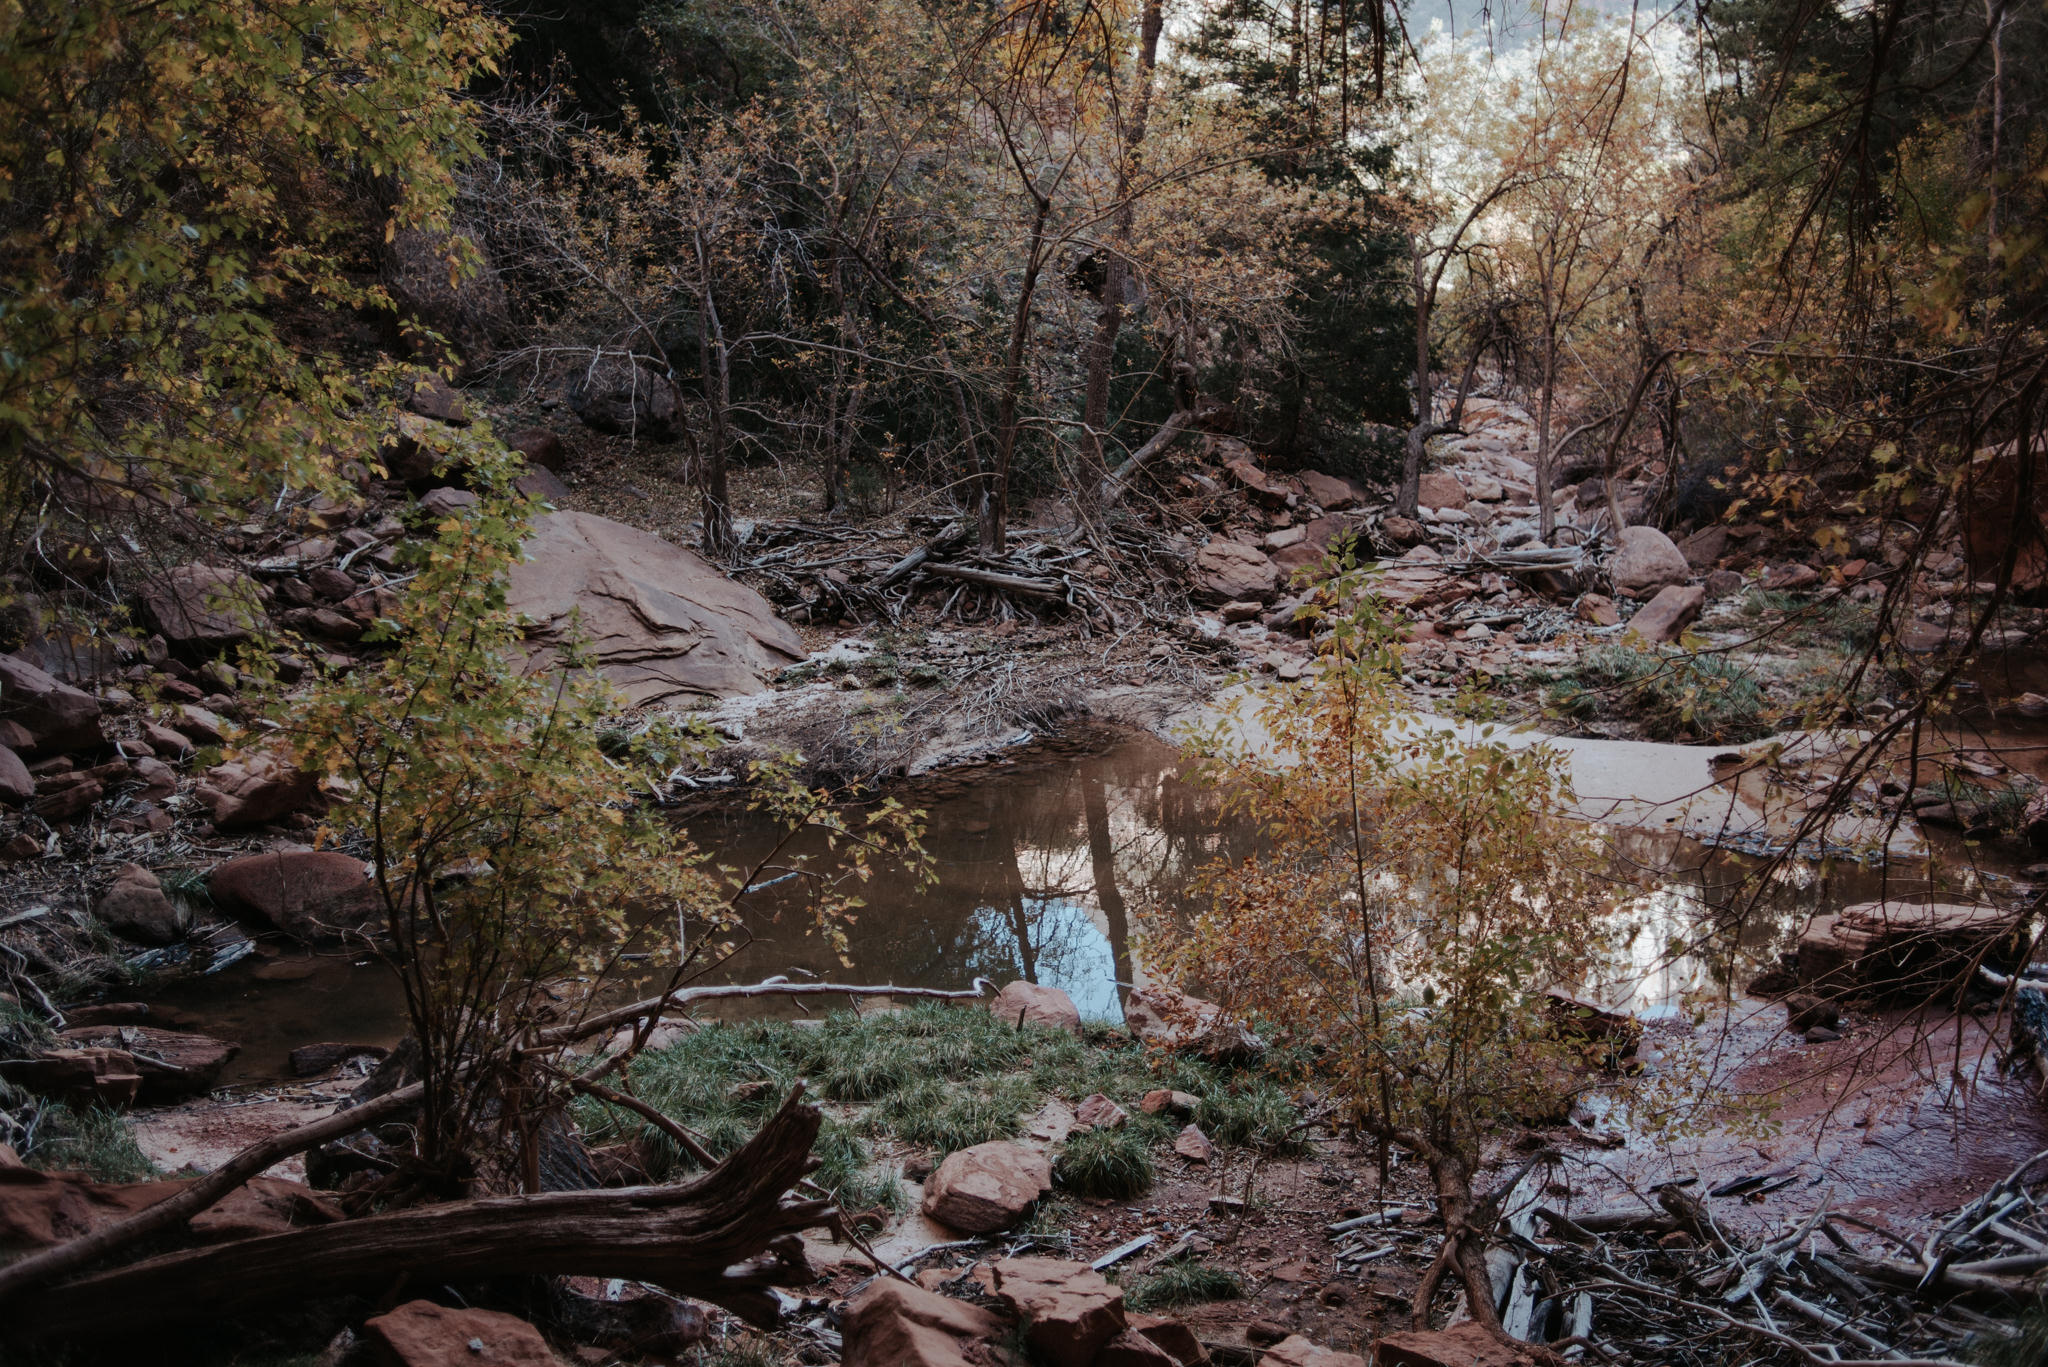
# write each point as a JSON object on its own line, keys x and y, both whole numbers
{"x": 1788, "y": 578}
{"x": 1646, "y": 560}
{"x": 165, "y": 741}
{"x": 1331, "y": 493}
{"x": 1132, "y": 1349}
{"x": 1022, "y": 1003}
{"x": 1440, "y": 490}
{"x": 1722, "y": 583}
{"x": 1403, "y": 531}
{"x": 1596, "y": 608}
{"x": 1461, "y": 1345}
{"x": 1296, "y": 1351}
{"x": 68, "y": 801}
{"x": 1193, "y": 1145}
{"x": 203, "y": 607}
{"x": 423, "y": 1334}
{"x": 1069, "y": 1310}
{"x": 1176, "y": 1338}
{"x": 1161, "y": 1101}
{"x": 894, "y": 1325}
{"x": 1100, "y": 1112}
{"x": 57, "y": 717}
{"x": 1669, "y": 613}
{"x": 19, "y": 846}
{"x": 310, "y": 894}
{"x": 1991, "y": 515}
{"x": 986, "y": 1188}
{"x": 15, "y": 784}
{"x": 310, "y": 1060}
{"x": 445, "y": 501}
{"x": 1262, "y": 488}
{"x": 1170, "y": 1019}
{"x": 173, "y": 1064}
{"x": 1230, "y": 571}
{"x": 135, "y": 908}
{"x": 13, "y": 734}
{"x": 158, "y": 778}
{"x": 105, "y": 1077}
{"x": 255, "y": 788}
{"x": 433, "y": 397}
{"x": 540, "y": 447}
{"x": 1900, "y": 948}
{"x": 543, "y": 484}
{"x": 200, "y": 725}
{"x": 1704, "y": 547}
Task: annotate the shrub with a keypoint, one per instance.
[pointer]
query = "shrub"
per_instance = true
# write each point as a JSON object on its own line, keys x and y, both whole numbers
{"x": 1187, "y": 1281}
{"x": 1115, "y": 1164}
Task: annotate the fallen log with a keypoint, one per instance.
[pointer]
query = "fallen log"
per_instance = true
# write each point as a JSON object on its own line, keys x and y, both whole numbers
{"x": 724, "y": 1237}
{"x": 20, "y": 1275}
{"x": 1009, "y": 583}
{"x": 945, "y": 543}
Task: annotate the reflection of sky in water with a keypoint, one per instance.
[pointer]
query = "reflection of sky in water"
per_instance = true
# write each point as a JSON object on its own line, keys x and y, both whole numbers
{"x": 1066, "y": 949}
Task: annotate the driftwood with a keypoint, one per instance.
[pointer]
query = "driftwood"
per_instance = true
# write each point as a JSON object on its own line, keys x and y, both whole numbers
{"x": 1009, "y": 583}
{"x": 52, "y": 1263}
{"x": 725, "y": 1237}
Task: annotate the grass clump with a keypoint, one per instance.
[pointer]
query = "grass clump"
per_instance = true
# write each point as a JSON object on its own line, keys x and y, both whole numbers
{"x": 53, "y": 1136}
{"x": 1187, "y": 1281}
{"x": 1255, "y": 1113}
{"x": 1676, "y": 696}
{"x": 1114, "y": 1164}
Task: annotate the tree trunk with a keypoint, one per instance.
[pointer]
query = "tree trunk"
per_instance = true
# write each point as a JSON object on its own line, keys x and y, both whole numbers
{"x": 996, "y": 512}
{"x": 705, "y": 1239}
{"x": 717, "y": 399}
{"x": 1545, "y": 514}
{"x": 1407, "y": 498}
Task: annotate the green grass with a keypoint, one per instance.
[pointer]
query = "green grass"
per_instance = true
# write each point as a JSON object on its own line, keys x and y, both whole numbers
{"x": 95, "y": 1141}
{"x": 932, "y": 1077}
{"x": 1112, "y": 1164}
{"x": 1675, "y": 695}
{"x": 1829, "y": 621}
{"x": 1188, "y": 1281}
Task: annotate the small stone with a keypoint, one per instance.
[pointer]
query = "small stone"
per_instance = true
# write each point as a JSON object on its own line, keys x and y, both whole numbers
{"x": 1243, "y": 610}
{"x": 1806, "y": 1012}
{"x": 1820, "y": 1034}
{"x": 1099, "y": 1112}
{"x": 135, "y": 908}
{"x": 1722, "y": 583}
{"x": 1265, "y": 1333}
{"x": 1598, "y": 609}
{"x": 1479, "y": 631}
{"x": 1669, "y": 613}
{"x": 423, "y": 1334}
{"x": 1678, "y": 1241}
{"x": 1161, "y": 1101}
{"x": 1440, "y": 491}
{"x": 1193, "y": 1145}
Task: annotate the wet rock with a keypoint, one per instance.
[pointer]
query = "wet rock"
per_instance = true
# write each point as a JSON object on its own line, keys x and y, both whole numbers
{"x": 82, "y": 1077}
{"x": 423, "y": 1334}
{"x": 1193, "y": 1145}
{"x": 1230, "y": 571}
{"x": 135, "y": 908}
{"x": 57, "y": 718}
{"x": 986, "y": 1188}
{"x": 310, "y": 1060}
{"x": 1069, "y": 1310}
{"x": 309, "y": 894}
{"x": 1669, "y": 613}
{"x": 1804, "y": 1012}
{"x": 1162, "y": 1101}
{"x": 203, "y": 607}
{"x": 1440, "y": 490}
{"x": 1170, "y": 1019}
{"x": 15, "y": 784}
{"x": 1905, "y": 950}
{"x": 1296, "y": 1351}
{"x": 1645, "y": 562}
{"x": 1022, "y": 1003}
{"x": 256, "y": 788}
{"x": 1098, "y": 1112}
{"x": 1330, "y": 493}
{"x": 1461, "y": 1345}
{"x": 894, "y": 1325}
{"x": 659, "y": 621}
{"x": 173, "y": 1064}
{"x": 1596, "y": 608}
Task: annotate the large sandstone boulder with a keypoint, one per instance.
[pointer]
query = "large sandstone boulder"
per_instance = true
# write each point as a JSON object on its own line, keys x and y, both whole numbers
{"x": 1070, "y": 1311}
{"x": 56, "y": 717}
{"x": 1647, "y": 561}
{"x": 1296, "y": 1351}
{"x": 894, "y": 1324}
{"x": 173, "y": 1064}
{"x": 135, "y": 908}
{"x": 310, "y": 894}
{"x": 1171, "y": 1019}
{"x": 258, "y": 787}
{"x": 1461, "y": 1345}
{"x": 203, "y": 607}
{"x": 423, "y": 1334}
{"x": 1230, "y": 571}
{"x": 658, "y": 620}
{"x": 40, "y": 1209}
{"x": 1260, "y": 486}
{"x": 1022, "y": 1003}
{"x": 1440, "y": 489}
{"x": 1901, "y": 949}
{"x": 1333, "y": 494}
{"x": 986, "y": 1188}
{"x": 628, "y": 400}
{"x": 1317, "y": 537}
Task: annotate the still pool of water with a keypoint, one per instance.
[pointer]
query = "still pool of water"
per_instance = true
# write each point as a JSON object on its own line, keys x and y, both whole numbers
{"x": 1046, "y": 863}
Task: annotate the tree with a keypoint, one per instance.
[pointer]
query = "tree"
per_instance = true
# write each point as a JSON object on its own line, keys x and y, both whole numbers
{"x": 1415, "y": 901}
{"x": 185, "y": 187}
